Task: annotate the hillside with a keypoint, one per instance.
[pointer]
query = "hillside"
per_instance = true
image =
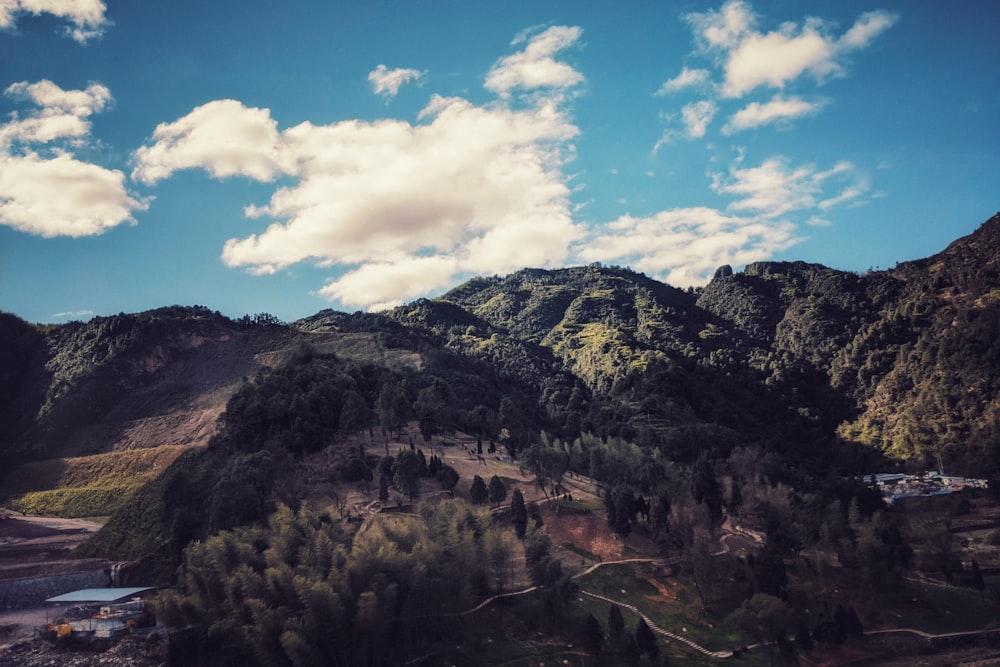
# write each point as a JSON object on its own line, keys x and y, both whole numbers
{"x": 688, "y": 423}
{"x": 903, "y": 361}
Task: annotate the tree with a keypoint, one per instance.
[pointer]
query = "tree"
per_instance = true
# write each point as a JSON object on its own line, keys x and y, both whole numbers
{"x": 407, "y": 473}
{"x": 497, "y": 490}
{"x": 616, "y": 626}
{"x": 764, "y": 617}
{"x": 430, "y": 408}
{"x": 543, "y": 568}
{"x": 447, "y": 477}
{"x": 592, "y": 635}
{"x": 355, "y": 415}
{"x": 478, "y": 491}
{"x": 803, "y": 638}
{"x": 770, "y": 573}
{"x": 518, "y": 513}
{"x": 977, "y": 578}
{"x": 705, "y": 487}
{"x": 392, "y": 407}
{"x": 383, "y": 488}
{"x": 646, "y": 640}
{"x": 624, "y": 513}
{"x": 853, "y": 624}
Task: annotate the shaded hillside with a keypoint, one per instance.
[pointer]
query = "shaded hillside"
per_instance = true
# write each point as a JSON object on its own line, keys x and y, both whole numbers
{"x": 793, "y": 356}
{"x": 127, "y": 381}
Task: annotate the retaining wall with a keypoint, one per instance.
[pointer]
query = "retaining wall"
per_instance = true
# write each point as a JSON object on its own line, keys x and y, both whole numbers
{"x": 26, "y": 592}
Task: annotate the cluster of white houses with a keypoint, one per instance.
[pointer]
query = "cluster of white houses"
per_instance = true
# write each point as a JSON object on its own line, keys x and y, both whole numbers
{"x": 896, "y": 486}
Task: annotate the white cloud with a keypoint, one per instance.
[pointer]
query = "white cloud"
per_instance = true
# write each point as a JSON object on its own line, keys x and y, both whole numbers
{"x": 223, "y": 137}
{"x": 55, "y": 194}
{"x": 684, "y": 246}
{"x": 535, "y": 67}
{"x": 382, "y": 285}
{"x": 477, "y": 189}
{"x": 778, "y": 109}
{"x": 725, "y": 28}
{"x": 62, "y": 196}
{"x": 696, "y": 117}
{"x": 405, "y": 208}
{"x": 86, "y": 17}
{"x": 868, "y": 26}
{"x": 386, "y": 82}
{"x": 62, "y": 113}
{"x": 686, "y": 79}
{"x": 775, "y": 188}
{"x": 74, "y": 314}
{"x": 752, "y": 58}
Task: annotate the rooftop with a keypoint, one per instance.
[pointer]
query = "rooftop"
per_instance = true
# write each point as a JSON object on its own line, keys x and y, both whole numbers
{"x": 100, "y": 595}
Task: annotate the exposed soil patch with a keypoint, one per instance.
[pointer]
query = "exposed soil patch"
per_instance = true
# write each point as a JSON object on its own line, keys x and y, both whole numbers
{"x": 588, "y": 532}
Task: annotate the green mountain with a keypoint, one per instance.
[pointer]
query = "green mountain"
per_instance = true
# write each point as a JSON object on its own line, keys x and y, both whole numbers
{"x": 822, "y": 367}
{"x": 797, "y": 356}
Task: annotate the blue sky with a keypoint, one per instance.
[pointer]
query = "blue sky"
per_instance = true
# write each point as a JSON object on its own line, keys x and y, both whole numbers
{"x": 262, "y": 157}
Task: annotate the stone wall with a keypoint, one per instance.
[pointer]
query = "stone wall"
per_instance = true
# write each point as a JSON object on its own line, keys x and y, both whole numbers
{"x": 33, "y": 591}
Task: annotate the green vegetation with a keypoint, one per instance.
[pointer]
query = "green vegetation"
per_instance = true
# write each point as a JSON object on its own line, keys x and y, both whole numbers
{"x": 85, "y": 486}
{"x": 753, "y": 403}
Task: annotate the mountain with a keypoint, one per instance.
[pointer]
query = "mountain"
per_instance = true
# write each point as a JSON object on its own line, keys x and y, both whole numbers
{"x": 797, "y": 357}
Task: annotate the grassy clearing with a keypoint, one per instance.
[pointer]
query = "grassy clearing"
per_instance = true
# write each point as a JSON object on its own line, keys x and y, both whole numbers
{"x": 672, "y": 606}
{"x": 940, "y": 610}
{"x": 84, "y": 486}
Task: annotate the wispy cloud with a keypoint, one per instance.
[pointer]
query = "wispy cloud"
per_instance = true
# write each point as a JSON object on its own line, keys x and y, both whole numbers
{"x": 72, "y": 314}
{"x": 86, "y": 18}
{"x": 776, "y": 188}
{"x": 535, "y": 67}
{"x": 684, "y": 246}
{"x": 44, "y": 189}
{"x": 778, "y": 110}
{"x": 688, "y": 78}
{"x": 697, "y": 116}
{"x": 769, "y": 204}
{"x": 387, "y": 82}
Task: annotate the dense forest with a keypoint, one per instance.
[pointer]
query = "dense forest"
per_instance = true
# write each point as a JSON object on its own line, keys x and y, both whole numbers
{"x": 759, "y": 399}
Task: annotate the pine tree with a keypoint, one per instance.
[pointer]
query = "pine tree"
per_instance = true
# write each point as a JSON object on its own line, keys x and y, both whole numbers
{"x": 977, "y": 579}
{"x": 478, "y": 491}
{"x": 616, "y": 626}
{"x": 383, "y": 488}
{"x": 593, "y": 636}
{"x": 497, "y": 490}
{"x": 518, "y": 513}
{"x": 646, "y": 640}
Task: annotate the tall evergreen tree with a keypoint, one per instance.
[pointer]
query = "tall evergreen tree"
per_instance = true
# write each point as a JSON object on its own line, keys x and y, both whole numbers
{"x": 646, "y": 640}
{"x": 593, "y": 635}
{"x": 977, "y": 578}
{"x": 478, "y": 491}
{"x": 518, "y": 513}
{"x": 497, "y": 490}
{"x": 616, "y": 626}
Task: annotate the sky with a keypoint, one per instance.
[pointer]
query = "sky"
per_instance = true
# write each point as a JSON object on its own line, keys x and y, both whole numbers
{"x": 288, "y": 157}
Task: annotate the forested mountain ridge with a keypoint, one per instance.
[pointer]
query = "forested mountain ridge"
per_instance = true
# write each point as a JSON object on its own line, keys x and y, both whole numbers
{"x": 801, "y": 355}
